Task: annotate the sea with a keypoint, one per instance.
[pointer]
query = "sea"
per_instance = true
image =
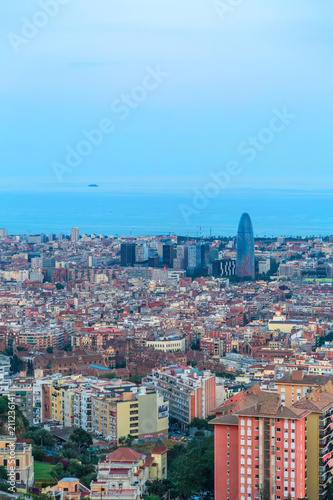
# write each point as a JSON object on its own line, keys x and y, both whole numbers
{"x": 99, "y": 210}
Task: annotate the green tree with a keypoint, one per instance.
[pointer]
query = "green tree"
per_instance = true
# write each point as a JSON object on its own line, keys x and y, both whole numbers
{"x": 3, "y": 472}
{"x": 3, "y": 405}
{"x": 49, "y": 349}
{"x": 16, "y": 364}
{"x": 82, "y": 438}
{"x": 59, "y": 286}
{"x": 40, "y": 437}
{"x": 38, "y": 454}
{"x": 30, "y": 368}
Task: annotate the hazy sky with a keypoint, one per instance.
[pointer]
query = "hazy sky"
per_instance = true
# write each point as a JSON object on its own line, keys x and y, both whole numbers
{"x": 225, "y": 74}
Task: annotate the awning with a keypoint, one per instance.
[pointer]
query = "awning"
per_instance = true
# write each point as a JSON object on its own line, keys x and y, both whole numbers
{"x": 326, "y": 457}
{"x": 330, "y": 463}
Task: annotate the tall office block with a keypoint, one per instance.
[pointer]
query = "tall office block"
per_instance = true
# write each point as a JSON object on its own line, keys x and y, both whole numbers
{"x": 245, "y": 247}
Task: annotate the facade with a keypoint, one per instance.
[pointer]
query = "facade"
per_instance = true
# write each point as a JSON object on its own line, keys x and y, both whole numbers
{"x": 75, "y": 234}
{"x": 168, "y": 344}
{"x": 194, "y": 256}
{"x": 141, "y": 252}
{"x": 127, "y": 254}
{"x": 245, "y": 248}
{"x": 190, "y": 393}
{"x": 294, "y": 387}
{"x": 260, "y": 448}
{"x": 181, "y": 261}
{"x": 319, "y": 440}
{"x": 24, "y": 462}
{"x": 69, "y": 488}
{"x": 22, "y": 391}
{"x": 142, "y": 413}
{"x": 168, "y": 251}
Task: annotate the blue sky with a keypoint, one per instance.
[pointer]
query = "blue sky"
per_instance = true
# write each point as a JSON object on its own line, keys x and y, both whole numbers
{"x": 226, "y": 75}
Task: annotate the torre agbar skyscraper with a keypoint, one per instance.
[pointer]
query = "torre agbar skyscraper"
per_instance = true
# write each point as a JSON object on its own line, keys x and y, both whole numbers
{"x": 245, "y": 248}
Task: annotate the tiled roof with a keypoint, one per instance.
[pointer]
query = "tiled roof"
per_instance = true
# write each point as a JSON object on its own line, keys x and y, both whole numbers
{"x": 124, "y": 455}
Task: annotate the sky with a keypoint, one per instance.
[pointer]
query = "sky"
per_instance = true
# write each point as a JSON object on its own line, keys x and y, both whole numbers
{"x": 176, "y": 89}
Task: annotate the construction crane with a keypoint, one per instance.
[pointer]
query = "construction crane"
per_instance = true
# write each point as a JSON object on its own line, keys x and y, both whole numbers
{"x": 205, "y": 227}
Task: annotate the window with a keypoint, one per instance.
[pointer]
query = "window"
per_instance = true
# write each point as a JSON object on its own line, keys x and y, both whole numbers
{"x": 17, "y": 463}
{"x": 5, "y": 462}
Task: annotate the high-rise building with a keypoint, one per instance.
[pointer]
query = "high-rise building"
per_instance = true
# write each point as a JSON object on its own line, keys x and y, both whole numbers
{"x": 141, "y": 252}
{"x": 127, "y": 254}
{"x": 260, "y": 448}
{"x": 205, "y": 254}
{"x": 181, "y": 261}
{"x": 194, "y": 256}
{"x": 91, "y": 261}
{"x": 49, "y": 265}
{"x": 168, "y": 251}
{"x": 245, "y": 247}
{"x": 3, "y": 233}
{"x": 190, "y": 392}
{"x": 75, "y": 234}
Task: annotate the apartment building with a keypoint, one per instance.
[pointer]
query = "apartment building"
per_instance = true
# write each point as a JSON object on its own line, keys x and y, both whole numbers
{"x": 141, "y": 413}
{"x": 260, "y": 448}
{"x": 296, "y": 385}
{"x": 22, "y": 391}
{"x": 190, "y": 393}
{"x": 319, "y": 403}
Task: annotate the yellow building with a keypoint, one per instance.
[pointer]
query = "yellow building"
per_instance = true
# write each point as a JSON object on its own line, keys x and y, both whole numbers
{"x": 141, "y": 413}
{"x": 56, "y": 406}
{"x": 294, "y": 387}
{"x": 14, "y": 453}
{"x": 70, "y": 488}
{"x": 319, "y": 434}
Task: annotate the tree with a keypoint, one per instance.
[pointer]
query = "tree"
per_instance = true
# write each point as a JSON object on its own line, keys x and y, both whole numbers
{"x": 3, "y": 472}
{"x": 88, "y": 478}
{"x": 82, "y": 438}
{"x": 40, "y": 437}
{"x": 193, "y": 473}
{"x": 129, "y": 440}
{"x": 16, "y": 364}
{"x": 49, "y": 349}
{"x": 30, "y": 368}
{"x": 3, "y": 404}
{"x": 68, "y": 451}
{"x": 59, "y": 286}
{"x": 38, "y": 454}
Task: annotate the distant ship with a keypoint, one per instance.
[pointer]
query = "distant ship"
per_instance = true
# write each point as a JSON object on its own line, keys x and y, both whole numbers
{"x": 93, "y": 185}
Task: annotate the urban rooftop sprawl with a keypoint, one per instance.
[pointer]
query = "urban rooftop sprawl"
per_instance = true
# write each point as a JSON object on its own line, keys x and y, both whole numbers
{"x": 114, "y": 349}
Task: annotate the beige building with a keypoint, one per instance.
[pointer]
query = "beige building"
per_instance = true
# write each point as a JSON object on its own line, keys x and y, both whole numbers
{"x": 19, "y": 457}
{"x": 141, "y": 413}
{"x": 167, "y": 344}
